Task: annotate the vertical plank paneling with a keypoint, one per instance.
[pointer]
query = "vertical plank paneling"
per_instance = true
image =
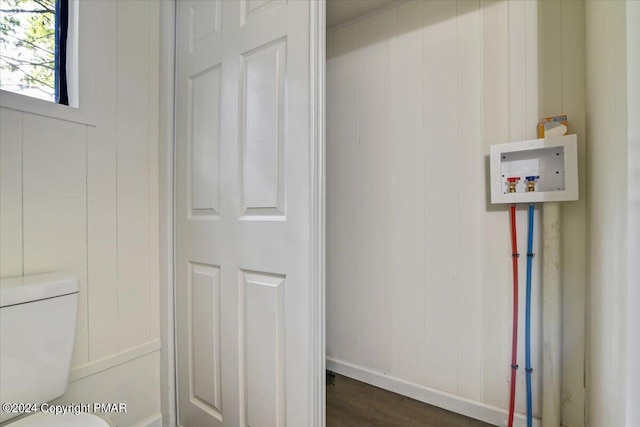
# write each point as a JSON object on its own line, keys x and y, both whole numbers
{"x": 496, "y": 251}
{"x": 102, "y": 195}
{"x": 608, "y": 200}
{"x": 619, "y": 218}
{"x": 574, "y": 219}
{"x": 550, "y": 64}
{"x": 153, "y": 129}
{"x": 517, "y": 132}
{"x": 632, "y": 392}
{"x": 330, "y": 203}
{"x": 10, "y": 193}
{"x": 346, "y": 165}
{"x": 530, "y": 120}
{"x": 532, "y": 75}
{"x": 477, "y": 82}
{"x": 470, "y": 194}
{"x": 599, "y": 60}
{"x": 410, "y": 278}
{"x": 392, "y": 84}
{"x": 133, "y": 172}
{"x": 441, "y": 194}
{"x": 517, "y": 71}
{"x": 376, "y": 186}
{"x": 55, "y": 207}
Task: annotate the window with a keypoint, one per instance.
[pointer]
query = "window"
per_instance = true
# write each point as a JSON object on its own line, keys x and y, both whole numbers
{"x": 33, "y": 48}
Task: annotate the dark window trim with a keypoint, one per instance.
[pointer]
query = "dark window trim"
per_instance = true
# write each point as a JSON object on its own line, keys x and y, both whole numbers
{"x": 62, "y": 25}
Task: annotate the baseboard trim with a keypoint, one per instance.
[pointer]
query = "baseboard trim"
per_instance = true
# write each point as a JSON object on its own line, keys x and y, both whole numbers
{"x": 153, "y": 421}
{"x": 115, "y": 360}
{"x": 432, "y": 396}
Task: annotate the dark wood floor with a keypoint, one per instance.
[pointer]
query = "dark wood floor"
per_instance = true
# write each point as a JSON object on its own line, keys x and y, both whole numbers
{"x": 351, "y": 403}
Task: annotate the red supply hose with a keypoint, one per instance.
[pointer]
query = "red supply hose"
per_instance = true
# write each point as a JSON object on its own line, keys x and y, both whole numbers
{"x": 514, "y": 344}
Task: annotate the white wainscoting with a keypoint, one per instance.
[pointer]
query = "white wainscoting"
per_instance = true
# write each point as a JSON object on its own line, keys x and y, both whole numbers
{"x": 154, "y": 421}
{"x": 84, "y": 199}
{"x": 135, "y": 382}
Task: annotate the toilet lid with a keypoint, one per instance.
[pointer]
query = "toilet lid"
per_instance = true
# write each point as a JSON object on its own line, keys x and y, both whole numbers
{"x": 43, "y": 419}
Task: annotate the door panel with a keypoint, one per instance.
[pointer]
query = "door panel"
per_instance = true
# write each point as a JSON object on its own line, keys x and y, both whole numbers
{"x": 204, "y": 144}
{"x": 204, "y": 290}
{"x": 244, "y": 188}
{"x": 262, "y": 114}
{"x": 263, "y": 347}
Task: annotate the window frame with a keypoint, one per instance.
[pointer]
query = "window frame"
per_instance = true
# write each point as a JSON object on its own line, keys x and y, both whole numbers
{"x": 81, "y": 72}
{"x": 61, "y": 37}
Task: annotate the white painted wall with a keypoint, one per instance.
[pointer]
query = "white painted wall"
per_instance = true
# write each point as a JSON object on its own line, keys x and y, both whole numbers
{"x": 84, "y": 199}
{"x": 419, "y": 274}
{"x": 613, "y": 99}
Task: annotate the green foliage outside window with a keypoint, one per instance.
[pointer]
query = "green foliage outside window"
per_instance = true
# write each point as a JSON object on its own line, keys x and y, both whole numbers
{"x": 27, "y": 47}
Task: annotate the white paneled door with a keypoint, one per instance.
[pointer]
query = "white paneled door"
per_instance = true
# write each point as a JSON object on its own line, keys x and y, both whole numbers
{"x": 247, "y": 240}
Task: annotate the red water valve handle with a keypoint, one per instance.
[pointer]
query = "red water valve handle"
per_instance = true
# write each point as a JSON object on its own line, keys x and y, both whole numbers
{"x": 514, "y": 179}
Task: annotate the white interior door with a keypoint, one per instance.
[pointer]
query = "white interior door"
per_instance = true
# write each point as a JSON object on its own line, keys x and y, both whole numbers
{"x": 247, "y": 241}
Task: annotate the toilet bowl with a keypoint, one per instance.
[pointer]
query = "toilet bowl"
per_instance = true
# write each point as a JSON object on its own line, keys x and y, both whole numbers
{"x": 37, "y": 333}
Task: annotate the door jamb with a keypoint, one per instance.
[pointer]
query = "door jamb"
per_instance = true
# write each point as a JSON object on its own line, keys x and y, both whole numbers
{"x": 166, "y": 176}
{"x": 317, "y": 56}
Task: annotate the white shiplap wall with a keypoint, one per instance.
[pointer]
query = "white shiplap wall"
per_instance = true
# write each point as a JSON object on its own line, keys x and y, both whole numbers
{"x": 613, "y": 98}
{"x": 84, "y": 199}
{"x": 419, "y": 266}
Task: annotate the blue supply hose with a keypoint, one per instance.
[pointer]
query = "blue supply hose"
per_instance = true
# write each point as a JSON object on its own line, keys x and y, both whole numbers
{"x": 528, "y": 319}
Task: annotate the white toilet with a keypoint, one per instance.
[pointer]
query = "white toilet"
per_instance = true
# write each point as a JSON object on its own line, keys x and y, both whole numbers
{"x": 37, "y": 332}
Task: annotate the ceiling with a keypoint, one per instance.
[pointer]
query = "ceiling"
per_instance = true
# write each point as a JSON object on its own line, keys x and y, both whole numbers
{"x": 339, "y": 11}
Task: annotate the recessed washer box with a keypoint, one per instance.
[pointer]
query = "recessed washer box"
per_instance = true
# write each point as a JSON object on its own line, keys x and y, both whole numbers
{"x": 554, "y": 160}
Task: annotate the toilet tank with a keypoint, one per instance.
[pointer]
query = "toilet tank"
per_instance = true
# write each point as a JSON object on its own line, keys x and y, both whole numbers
{"x": 37, "y": 332}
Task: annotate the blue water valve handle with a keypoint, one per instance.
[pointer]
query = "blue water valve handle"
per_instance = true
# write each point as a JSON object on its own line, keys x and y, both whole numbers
{"x": 531, "y": 182}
